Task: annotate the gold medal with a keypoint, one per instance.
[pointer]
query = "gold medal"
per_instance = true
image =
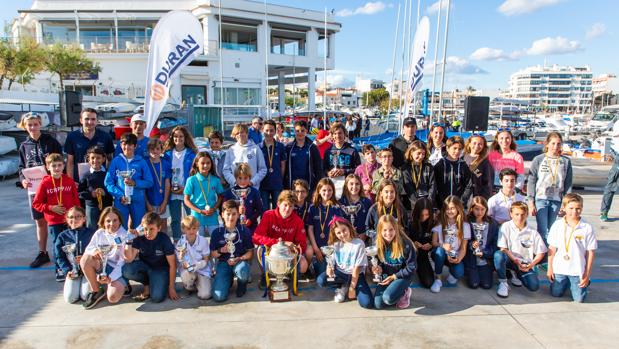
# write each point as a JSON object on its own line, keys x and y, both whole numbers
{"x": 566, "y": 257}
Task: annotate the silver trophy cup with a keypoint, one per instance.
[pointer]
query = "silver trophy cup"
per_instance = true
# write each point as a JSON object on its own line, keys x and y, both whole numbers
{"x": 335, "y": 159}
{"x": 128, "y": 188}
{"x": 240, "y": 194}
{"x": 526, "y": 244}
{"x": 372, "y": 252}
{"x": 478, "y": 229}
{"x": 328, "y": 252}
{"x": 451, "y": 238}
{"x": 69, "y": 249}
{"x": 176, "y": 178}
{"x": 187, "y": 262}
{"x": 105, "y": 248}
{"x": 351, "y": 211}
{"x": 230, "y": 236}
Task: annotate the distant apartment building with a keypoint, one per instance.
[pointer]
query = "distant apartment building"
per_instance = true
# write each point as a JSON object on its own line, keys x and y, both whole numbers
{"x": 366, "y": 85}
{"x": 554, "y": 88}
{"x": 605, "y": 90}
{"x": 339, "y": 97}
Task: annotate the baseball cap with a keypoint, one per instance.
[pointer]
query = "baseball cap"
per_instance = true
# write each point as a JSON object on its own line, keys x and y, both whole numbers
{"x": 138, "y": 117}
{"x": 410, "y": 121}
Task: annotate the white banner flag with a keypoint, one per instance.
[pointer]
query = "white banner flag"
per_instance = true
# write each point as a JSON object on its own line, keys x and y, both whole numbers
{"x": 176, "y": 41}
{"x": 415, "y": 68}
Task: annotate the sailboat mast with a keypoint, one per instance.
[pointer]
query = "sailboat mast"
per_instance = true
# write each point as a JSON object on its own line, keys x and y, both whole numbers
{"x": 440, "y": 102}
{"x": 395, "y": 48}
{"x": 438, "y": 30}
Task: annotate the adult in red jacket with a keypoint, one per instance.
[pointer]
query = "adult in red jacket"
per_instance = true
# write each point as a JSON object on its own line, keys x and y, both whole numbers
{"x": 282, "y": 222}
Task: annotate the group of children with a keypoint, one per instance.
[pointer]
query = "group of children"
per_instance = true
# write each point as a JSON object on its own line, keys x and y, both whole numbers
{"x": 404, "y": 218}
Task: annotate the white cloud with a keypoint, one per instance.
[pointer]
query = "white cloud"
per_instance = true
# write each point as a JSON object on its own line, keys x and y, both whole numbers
{"x": 518, "y": 7}
{"x": 489, "y": 54}
{"x": 596, "y": 30}
{"x": 557, "y": 45}
{"x": 337, "y": 80}
{"x": 434, "y": 7}
{"x": 455, "y": 65}
{"x": 369, "y": 8}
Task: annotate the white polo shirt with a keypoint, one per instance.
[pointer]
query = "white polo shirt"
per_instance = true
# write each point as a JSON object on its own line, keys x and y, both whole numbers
{"x": 499, "y": 205}
{"x": 453, "y": 239}
{"x": 197, "y": 252}
{"x": 516, "y": 241}
{"x": 579, "y": 240}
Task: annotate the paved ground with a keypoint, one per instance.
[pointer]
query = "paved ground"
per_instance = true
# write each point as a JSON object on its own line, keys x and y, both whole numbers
{"x": 33, "y": 314}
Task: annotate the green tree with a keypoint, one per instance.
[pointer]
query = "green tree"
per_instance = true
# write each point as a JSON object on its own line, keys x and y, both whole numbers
{"x": 375, "y": 97}
{"x": 7, "y": 60}
{"x": 28, "y": 61}
{"x": 64, "y": 61}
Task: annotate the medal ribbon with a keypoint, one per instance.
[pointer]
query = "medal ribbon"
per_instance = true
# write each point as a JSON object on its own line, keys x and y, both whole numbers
{"x": 323, "y": 223}
{"x": 390, "y": 212}
{"x": 416, "y": 176}
{"x": 270, "y": 154}
{"x": 160, "y": 177}
{"x": 58, "y": 194}
{"x": 569, "y": 240}
{"x": 208, "y": 188}
{"x": 554, "y": 175}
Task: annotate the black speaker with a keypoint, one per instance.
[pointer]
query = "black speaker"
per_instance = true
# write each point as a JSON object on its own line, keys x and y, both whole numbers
{"x": 476, "y": 113}
{"x": 70, "y": 108}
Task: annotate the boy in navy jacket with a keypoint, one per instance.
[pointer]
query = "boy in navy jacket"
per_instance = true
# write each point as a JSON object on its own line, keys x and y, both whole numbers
{"x": 251, "y": 208}
{"x": 91, "y": 188}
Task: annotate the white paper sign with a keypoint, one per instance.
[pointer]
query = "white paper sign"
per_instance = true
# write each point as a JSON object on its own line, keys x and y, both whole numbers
{"x": 82, "y": 169}
{"x": 34, "y": 175}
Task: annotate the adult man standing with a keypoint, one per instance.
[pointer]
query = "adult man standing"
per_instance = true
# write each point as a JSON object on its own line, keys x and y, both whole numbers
{"x": 304, "y": 160}
{"x": 138, "y": 126}
{"x": 255, "y": 131}
{"x": 613, "y": 176}
{"x": 79, "y": 141}
{"x": 400, "y": 144}
{"x": 341, "y": 159}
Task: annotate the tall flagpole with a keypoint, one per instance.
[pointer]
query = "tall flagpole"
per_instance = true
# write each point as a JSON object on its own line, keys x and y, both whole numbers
{"x": 221, "y": 71}
{"x": 266, "y": 62}
{"x": 395, "y": 48}
{"x": 408, "y": 55}
{"x": 403, "y": 50}
{"x": 324, "y": 92}
{"x": 440, "y": 102}
{"x": 416, "y": 26}
{"x": 438, "y": 30}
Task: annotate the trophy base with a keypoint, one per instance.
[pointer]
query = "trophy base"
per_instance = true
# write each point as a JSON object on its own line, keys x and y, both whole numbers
{"x": 279, "y": 296}
{"x": 377, "y": 279}
{"x": 330, "y": 279}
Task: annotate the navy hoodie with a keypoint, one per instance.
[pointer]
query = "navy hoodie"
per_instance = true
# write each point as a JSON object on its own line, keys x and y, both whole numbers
{"x": 81, "y": 237}
{"x": 403, "y": 267}
{"x": 90, "y": 182}
{"x": 452, "y": 178}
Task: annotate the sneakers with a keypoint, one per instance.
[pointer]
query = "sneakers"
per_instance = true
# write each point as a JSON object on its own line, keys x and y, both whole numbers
{"x": 60, "y": 276}
{"x": 503, "y": 289}
{"x": 604, "y": 217}
{"x": 451, "y": 280}
{"x": 436, "y": 286}
{"x": 340, "y": 294}
{"x": 93, "y": 298}
{"x": 40, "y": 259}
{"x": 128, "y": 291}
{"x": 405, "y": 301}
{"x": 515, "y": 281}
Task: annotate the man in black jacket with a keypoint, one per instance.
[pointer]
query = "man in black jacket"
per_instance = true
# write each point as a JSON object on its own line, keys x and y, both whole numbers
{"x": 303, "y": 159}
{"x": 400, "y": 144}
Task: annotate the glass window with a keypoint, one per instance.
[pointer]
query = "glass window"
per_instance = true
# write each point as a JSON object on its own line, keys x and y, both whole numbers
{"x": 192, "y": 95}
{"x": 238, "y": 96}
{"x": 58, "y": 32}
{"x": 239, "y": 38}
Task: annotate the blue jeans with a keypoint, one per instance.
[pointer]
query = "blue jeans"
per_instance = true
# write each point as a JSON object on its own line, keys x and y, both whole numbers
{"x": 480, "y": 275}
{"x": 546, "y": 215}
{"x": 176, "y": 215}
{"x": 223, "y": 279}
{"x": 502, "y": 263}
{"x": 611, "y": 185}
{"x": 54, "y": 231}
{"x": 92, "y": 217}
{"x": 362, "y": 291}
{"x": 269, "y": 198}
{"x": 319, "y": 267}
{"x": 157, "y": 279}
{"x": 136, "y": 209}
{"x": 562, "y": 282}
{"x": 439, "y": 256}
{"x": 390, "y": 294}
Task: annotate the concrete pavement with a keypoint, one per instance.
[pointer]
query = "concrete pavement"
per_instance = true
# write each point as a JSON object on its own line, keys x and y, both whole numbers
{"x": 33, "y": 314}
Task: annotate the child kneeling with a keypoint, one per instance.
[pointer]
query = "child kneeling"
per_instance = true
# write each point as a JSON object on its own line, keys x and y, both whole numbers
{"x": 231, "y": 261}
{"x": 521, "y": 249}
{"x": 350, "y": 261}
{"x": 193, "y": 259}
{"x": 156, "y": 266}
{"x": 570, "y": 257}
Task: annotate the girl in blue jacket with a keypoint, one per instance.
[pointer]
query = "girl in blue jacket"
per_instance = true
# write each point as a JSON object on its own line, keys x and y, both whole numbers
{"x": 479, "y": 260}
{"x": 180, "y": 150}
{"x": 396, "y": 264}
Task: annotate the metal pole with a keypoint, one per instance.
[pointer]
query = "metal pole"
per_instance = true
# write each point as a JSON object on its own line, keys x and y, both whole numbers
{"x": 403, "y": 50}
{"x": 395, "y": 47}
{"x": 438, "y": 30}
{"x": 221, "y": 72}
{"x": 440, "y": 102}
{"x": 408, "y": 55}
{"x": 416, "y": 26}
{"x": 266, "y": 62}
{"x": 324, "y": 91}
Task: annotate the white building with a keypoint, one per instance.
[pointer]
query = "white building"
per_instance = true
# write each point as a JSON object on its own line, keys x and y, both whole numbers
{"x": 117, "y": 35}
{"x": 339, "y": 97}
{"x": 366, "y": 85}
{"x": 558, "y": 88}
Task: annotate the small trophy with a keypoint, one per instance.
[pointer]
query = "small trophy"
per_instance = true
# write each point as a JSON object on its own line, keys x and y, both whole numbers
{"x": 526, "y": 244}
{"x": 479, "y": 228}
{"x": 181, "y": 247}
{"x": 176, "y": 179}
{"x": 128, "y": 188}
{"x": 69, "y": 249}
{"x": 230, "y": 236}
{"x": 335, "y": 159}
{"x": 372, "y": 251}
{"x": 351, "y": 210}
{"x": 105, "y": 248}
{"x": 451, "y": 238}
{"x": 328, "y": 252}
{"x": 241, "y": 194}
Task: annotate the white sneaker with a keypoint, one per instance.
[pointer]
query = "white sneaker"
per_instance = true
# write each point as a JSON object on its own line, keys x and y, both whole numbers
{"x": 451, "y": 280}
{"x": 436, "y": 286}
{"x": 340, "y": 294}
{"x": 503, "y": 289}
{"x": 515, "y": 281}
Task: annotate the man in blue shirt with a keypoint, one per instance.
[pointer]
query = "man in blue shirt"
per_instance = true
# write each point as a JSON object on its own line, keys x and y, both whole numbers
{"x": 255, "y": 130}
{"x": 138, "y": 126}
{"x": 304, "y": 160}
{"x": 275, "y": 158}
{"x": 79, "y": 141}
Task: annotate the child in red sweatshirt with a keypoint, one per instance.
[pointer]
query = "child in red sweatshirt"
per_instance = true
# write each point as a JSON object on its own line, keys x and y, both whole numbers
{"x": 56, "y": 194}
{"x": 282, "y": 223}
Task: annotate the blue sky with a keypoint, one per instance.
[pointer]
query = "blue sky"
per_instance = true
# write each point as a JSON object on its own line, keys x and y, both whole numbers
{"x": 488, "y": 39}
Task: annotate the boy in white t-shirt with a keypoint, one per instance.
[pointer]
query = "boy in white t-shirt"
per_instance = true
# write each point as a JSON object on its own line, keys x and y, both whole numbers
{"x": 521, "y": 249}
{"x": 571, "y": 245}
{"x": 500, "y": 203}
{"x": 193, "y": 254}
